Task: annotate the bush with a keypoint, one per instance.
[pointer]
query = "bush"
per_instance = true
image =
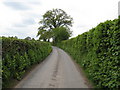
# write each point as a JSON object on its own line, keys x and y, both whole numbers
{"x": 19, "y": 55}
{"x": 98, "y": 52}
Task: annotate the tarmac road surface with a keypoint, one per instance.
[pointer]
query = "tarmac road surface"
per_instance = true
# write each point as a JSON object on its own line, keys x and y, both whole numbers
{"x": 57, "y": 71}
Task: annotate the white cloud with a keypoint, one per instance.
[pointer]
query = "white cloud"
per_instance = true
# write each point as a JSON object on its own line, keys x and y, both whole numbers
{"x": 22, "y": 20}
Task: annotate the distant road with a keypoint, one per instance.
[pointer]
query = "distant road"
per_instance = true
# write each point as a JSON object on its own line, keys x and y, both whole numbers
{"x": 57, "y": 71}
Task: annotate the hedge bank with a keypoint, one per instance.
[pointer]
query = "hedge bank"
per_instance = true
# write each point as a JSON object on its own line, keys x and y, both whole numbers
{"x": 19, "y": 55}
{"x": 98, "y": 52}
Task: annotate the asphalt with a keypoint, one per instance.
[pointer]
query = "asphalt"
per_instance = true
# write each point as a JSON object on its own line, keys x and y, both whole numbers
{"x": 56, "y": 71}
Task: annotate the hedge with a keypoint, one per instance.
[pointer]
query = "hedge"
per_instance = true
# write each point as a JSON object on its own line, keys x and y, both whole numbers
{"x": 98, "y": 52}
{"x": 19, "y": 55}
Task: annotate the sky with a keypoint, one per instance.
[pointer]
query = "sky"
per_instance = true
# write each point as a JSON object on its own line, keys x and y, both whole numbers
{"x": 20, "y": 17}
{"x": 119, "y": 8}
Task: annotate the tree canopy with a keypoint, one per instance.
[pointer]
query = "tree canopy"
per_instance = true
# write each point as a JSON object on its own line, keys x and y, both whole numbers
{"x": 56, "y": 18}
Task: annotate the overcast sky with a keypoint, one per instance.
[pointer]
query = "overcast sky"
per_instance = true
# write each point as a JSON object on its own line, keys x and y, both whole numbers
{"x": 20, "y": 17}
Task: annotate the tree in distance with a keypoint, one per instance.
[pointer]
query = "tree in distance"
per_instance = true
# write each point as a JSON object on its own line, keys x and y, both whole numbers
{"x": 28, "y": 38}
{"x": 54, "y": 19}
{"x": 60, "y": 34}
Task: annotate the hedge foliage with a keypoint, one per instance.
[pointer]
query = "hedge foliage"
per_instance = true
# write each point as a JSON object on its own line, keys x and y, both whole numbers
{"x": 98, "y": 52}
{"x": 18, "y": 55}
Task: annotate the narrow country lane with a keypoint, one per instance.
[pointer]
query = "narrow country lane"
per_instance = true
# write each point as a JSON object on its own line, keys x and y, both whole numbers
{"x": 57, "y": 71}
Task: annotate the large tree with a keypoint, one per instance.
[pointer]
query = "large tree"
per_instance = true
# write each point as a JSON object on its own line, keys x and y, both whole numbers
{"x": 54, "y": 19}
